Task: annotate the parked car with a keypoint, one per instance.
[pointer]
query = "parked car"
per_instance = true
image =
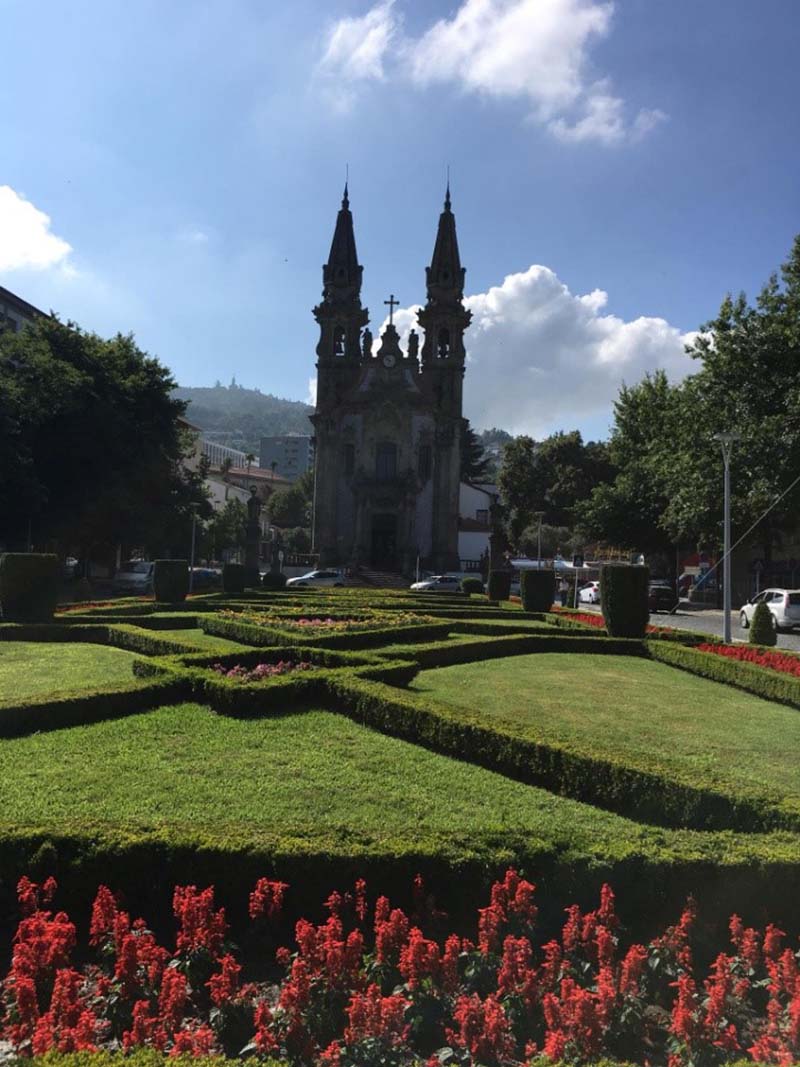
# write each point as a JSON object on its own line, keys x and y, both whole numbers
{"x": 316, "y": 580}
{"x": 439, "y": 583}
{"x": 784, "y": 606}
{"x": 206, "y": 578}
{"x": 590, "y": 593}
{"x": 135, "y": 576}
{"x": 662, "y": 597}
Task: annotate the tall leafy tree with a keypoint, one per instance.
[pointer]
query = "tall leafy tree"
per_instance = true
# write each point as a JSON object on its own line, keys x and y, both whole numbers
{"x": 90, "y": 443}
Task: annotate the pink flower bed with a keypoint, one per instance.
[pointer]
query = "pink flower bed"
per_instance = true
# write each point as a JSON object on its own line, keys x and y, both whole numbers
{"x": 372, "y": 984}
{"x": 261, "y": 671}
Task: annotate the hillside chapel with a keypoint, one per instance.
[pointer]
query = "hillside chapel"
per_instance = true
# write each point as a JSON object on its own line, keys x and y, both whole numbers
{"x": 388, "y": 424}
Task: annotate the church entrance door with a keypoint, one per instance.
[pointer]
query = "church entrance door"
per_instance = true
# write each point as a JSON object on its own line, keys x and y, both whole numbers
{"x": 384, "y": 542}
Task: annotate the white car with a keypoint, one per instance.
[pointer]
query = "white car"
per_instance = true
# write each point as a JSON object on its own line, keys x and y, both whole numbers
{"x": 784, "y": 606}
{"x": 134, "y": 576}
{"x": 439, "y": 583}
{"x": 316, "y": 580}
{"x": 590, "y": 593}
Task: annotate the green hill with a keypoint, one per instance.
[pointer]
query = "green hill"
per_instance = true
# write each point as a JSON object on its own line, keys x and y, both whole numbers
{"x": 239, "y": 417}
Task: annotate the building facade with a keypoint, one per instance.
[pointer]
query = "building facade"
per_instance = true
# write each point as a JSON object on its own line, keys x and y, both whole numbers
{"x": 290, "y": 453}
{"x": 387, "y": 421}
{"x": 16, "y": 312}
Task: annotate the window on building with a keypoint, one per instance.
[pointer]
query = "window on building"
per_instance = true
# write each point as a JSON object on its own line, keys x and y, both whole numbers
{"x": 349, "y": 460}
{"x": 443, "y": 343}
{"x": 425, "y": 464}
{"x": 482, "y": 516}
{"x": 338, "y": 341}
{"x": 386, "y": 461}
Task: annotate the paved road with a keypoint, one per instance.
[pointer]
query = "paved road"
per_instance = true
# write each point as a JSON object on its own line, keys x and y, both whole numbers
{"x": 710, "y": 622}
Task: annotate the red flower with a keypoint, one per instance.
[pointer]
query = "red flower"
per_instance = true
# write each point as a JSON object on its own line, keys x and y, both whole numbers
{"x": 267, "y": 899}
{"x": 200, "y": 925}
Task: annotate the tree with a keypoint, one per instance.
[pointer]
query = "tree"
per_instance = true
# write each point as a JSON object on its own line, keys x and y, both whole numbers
{"x": 90, "y": 445}
{"x": 475, "y": 464}
{"x": 554, "y": 476}
{"x": 289, "y": 507}
{"x": 227, "y": 530}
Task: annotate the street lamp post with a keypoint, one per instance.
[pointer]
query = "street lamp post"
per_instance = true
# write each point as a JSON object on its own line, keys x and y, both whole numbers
{"x": 539, "y": 515}
{"x": 194, "y": 508}
{"x": 726, "y": 441}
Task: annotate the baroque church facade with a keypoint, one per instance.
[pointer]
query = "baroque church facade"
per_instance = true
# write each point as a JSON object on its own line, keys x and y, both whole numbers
{"x": 388, "y": 423}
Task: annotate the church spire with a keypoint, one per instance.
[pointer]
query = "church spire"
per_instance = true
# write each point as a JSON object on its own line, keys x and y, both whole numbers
{"x": 445, "y": 276}
{"x": 342, "y": 272}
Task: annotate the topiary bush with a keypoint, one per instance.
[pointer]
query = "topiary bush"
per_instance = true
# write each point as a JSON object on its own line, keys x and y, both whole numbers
{"x": 28, "y": 586}
{"x": 499, "y": 585}
{"x": 471, "y": 585}
{"x": 274, "y": 581}
{"x": 233, "y": 578}
{"x": 171, "y": 580}
{"x": 762, "y": 628}
{"x": 537, "y": 589}
{"x": 624, "y": 599}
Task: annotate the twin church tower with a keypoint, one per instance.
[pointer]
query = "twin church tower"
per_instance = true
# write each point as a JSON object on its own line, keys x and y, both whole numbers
{"x": 388, "y": 422}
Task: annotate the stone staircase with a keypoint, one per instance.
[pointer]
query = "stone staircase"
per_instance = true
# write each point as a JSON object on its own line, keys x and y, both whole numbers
{"x": 371, "y": 579}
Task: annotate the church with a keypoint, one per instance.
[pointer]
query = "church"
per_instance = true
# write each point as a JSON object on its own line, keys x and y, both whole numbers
{"x": 388, "y": 421}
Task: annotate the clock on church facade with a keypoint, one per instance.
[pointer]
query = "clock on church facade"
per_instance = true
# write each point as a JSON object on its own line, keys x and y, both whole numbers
{"x": 387, "y": 423}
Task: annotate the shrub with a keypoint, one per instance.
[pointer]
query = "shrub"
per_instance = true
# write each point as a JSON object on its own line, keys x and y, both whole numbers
{"x": 28, "y": 586}
{"x": 623, "y": 595}
{"x": 762, "y": 628}
{"x": 471, "y": 585}
{"x": 499, "y": 585}
{"x": 171, "y": 580}
{"x": 233, "y": 578}
{"x": 274, "y": 581}
{"x": 538, "y": 589}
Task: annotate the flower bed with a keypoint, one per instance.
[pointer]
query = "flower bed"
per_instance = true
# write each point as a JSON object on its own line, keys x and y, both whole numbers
{"x": 784, "y": 662}
{"x": 378, "y": 620}
{"x": 374, "y": 985}
{"x": 261, "y": 671}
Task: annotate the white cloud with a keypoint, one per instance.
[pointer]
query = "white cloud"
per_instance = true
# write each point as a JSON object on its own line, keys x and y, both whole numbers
{"x": 536, "y": 51}
{"x": 26, "y": 240}
{"x": 193, "y": 235}
{"x": 311, "y": 397}
{"x": 542, "y": 358}
{"x": 354, "y": 52}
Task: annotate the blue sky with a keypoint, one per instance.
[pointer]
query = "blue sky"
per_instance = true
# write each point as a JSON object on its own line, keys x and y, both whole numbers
{"x": 616, "y": 168}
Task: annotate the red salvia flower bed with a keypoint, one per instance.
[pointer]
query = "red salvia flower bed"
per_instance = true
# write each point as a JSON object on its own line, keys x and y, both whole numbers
{"x": 762, "y": 657}
{"x": 372, "y": 985}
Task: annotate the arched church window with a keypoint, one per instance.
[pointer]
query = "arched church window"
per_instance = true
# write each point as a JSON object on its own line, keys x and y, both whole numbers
{"x": 338, "y": 341}
{"x": 386, "y": 461}
{"x": 443, "y": 343}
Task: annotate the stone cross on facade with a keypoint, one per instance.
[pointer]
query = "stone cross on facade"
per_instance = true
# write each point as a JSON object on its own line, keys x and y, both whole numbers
{"x": 392, "y": 305}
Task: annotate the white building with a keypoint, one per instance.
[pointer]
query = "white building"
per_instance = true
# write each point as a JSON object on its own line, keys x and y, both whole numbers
{"x": 474, "y": 522}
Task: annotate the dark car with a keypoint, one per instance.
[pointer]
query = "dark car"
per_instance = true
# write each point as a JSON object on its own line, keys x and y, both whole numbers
{"x": 662, "y": 597}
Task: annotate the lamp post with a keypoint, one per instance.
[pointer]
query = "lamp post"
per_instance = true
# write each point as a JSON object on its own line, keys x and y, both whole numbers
{"x": 726, "y": 441}
{"x": 194, "y": 508}
{"x": 539, "y": 515}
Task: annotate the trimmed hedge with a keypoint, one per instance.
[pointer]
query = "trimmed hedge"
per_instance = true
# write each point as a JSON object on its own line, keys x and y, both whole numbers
{"x": 274, "y": 581}
{"x": 170, "y": 580}
{"x": 499, "y": 585}
{"x": 537, "y": 589}
{"x": 233, "y": 577}
{"x": 623, "y": 598}
{"x": 472, "y": 585}
{"x": 760, "y": 681}
{"x": 55, "y": 713}
{"x": 28, "y": 586}
{"x": 762, "y": 627}
{"x": 266, "y": 636}
{"x": 605, "y": 783}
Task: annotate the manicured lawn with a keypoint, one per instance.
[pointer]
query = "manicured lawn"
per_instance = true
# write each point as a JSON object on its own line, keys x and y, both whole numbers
{"x": 644, "y": 714}
{"x": 311, "y": 782}
{"x": 199, "y": 639}
{"x": 38, "y": 668}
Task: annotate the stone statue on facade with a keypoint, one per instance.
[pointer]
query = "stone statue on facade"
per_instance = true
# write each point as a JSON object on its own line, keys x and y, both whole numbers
{"x": 366, "y": 344}
{"x": 413, "y": 345}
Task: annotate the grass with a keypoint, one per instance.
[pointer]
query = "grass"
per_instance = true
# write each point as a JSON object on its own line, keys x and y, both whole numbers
{"x": 202, "y": 641}
{"x": 315, "y": 783}
{"x": 629, "y": 709}
{"x": 35, "y": 669}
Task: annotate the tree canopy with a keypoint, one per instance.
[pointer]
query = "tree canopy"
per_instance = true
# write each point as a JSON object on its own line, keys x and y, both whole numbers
{"x": 90, "y": 443}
